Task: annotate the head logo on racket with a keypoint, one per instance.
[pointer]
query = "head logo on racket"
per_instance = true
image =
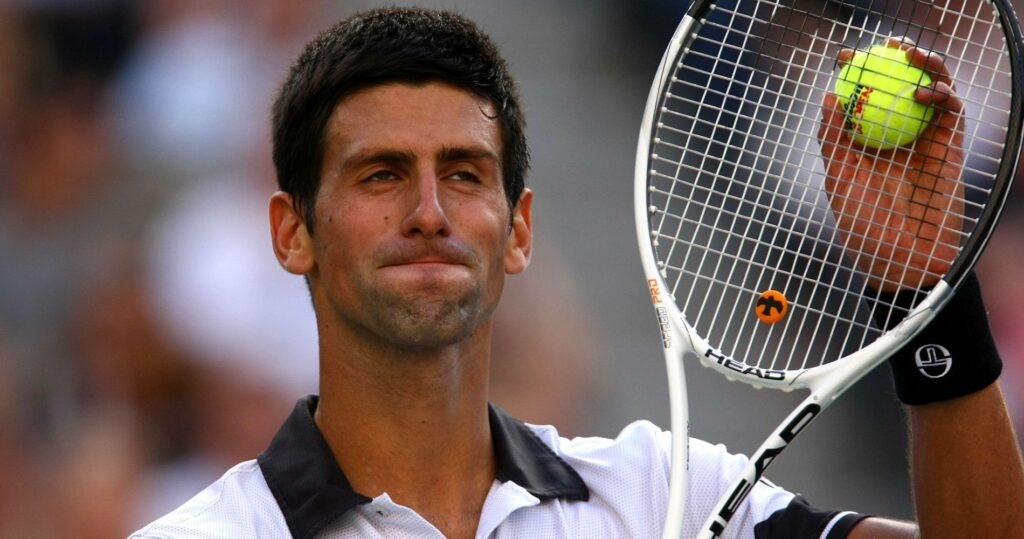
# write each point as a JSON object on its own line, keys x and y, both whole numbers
{"x": 771, "y": 306}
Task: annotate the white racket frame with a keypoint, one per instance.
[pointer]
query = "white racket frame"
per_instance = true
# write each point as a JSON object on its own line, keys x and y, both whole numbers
{"x": 681, "y": 342}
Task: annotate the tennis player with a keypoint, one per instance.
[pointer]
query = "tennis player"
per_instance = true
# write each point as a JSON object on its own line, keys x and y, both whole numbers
{"x": 401, "y": 158}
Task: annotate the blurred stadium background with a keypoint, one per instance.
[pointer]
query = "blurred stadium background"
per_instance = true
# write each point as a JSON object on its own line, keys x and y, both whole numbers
{"x": 148, "y": 341}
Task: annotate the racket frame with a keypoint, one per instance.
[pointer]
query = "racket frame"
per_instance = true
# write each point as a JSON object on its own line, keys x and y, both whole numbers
{"x": 826, "y": 383}
{"x": 676, "y": 335}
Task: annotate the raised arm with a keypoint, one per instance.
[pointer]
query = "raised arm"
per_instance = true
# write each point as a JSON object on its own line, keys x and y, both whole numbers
{"x": 966, "y": 468}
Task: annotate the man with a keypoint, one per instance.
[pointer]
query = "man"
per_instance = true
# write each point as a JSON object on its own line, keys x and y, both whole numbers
{"x": 399, "y": 147}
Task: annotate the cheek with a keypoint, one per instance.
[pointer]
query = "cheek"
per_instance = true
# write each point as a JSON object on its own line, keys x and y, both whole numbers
{"x": 499, "y": 237}
{"x": 336, "y": 236}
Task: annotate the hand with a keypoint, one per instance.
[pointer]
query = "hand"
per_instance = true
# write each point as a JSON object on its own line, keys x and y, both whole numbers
{"x": 901, "y": 210}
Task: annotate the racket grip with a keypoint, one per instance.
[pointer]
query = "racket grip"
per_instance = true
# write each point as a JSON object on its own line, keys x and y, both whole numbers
{"x": 954, "y": 355}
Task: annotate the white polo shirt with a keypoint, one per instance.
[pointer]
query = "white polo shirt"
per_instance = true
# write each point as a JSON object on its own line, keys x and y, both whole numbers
{"x": 546, "y": 486}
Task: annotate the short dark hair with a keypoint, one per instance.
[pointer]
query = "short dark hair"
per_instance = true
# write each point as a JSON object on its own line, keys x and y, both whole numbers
{"x": 380, "y": 46}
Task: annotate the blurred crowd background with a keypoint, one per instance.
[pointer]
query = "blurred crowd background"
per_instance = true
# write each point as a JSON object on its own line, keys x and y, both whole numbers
{"x": 149, "y": 341}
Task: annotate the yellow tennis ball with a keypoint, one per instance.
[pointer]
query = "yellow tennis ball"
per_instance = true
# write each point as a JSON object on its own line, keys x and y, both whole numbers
{"x": 876, "y": 90}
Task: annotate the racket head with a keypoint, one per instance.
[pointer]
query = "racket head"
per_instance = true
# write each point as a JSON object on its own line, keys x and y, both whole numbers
{"x": 731, "y": 197}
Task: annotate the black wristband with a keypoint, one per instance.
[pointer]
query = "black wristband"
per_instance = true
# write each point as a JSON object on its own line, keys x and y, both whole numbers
{"x": 953, "y": 356}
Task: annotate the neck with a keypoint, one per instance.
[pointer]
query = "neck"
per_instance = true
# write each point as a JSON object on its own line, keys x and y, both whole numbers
{"x": 415, "y": 427}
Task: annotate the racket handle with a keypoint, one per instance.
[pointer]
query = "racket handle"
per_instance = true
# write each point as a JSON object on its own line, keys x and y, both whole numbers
{"x": 680, "y": 462}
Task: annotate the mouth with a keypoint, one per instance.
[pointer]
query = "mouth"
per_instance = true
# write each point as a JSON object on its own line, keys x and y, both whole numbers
{"x": 423, "y": 262}
{"x": 423, "y": 274}
{"x": 438, "y": 257}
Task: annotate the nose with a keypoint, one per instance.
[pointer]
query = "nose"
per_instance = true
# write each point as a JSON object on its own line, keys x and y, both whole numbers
{"x": 426, "y": 216}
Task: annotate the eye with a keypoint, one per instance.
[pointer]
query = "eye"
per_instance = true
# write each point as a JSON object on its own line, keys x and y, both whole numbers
{"x": 465, "y": 176}
{"x": 381, "y": 176}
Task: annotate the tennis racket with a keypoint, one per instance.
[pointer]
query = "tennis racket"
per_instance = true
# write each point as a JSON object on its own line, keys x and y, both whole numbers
{"x": 768, "y": 232}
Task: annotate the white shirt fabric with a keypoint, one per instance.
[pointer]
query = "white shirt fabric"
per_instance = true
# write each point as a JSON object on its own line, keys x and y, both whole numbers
{"x": 623, "y": 493}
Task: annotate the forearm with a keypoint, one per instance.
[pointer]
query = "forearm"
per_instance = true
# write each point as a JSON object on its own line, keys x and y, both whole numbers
{"x": 966, "y": 469}
{"x": 966, "y": 472}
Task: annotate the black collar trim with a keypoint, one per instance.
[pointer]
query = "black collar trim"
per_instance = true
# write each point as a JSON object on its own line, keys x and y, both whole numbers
{"x": 312, "y": 491}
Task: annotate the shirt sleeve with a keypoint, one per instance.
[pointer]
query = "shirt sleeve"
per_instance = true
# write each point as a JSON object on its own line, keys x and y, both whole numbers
{"x": 799, "y": 519}
{"x": 769, "y": 511}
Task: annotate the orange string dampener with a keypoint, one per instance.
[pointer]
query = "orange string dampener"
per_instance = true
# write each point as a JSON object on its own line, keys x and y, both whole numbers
{"x": 771, "y": 306}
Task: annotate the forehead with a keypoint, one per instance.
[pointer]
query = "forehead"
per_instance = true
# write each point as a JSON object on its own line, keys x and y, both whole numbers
{"x": 412, "y": 117}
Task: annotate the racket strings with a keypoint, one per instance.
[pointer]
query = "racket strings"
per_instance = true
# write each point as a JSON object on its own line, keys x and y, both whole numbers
{"x": 736, "y": 190}
{"x": 734, "y": 78}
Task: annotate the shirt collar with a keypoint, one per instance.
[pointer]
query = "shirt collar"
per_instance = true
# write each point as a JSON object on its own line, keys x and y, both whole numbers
{"x": 312, "y": 490}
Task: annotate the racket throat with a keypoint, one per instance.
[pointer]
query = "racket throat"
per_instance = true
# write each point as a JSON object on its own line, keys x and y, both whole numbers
{"x": 716, "y": 356}
{"x": 756, "y": 466}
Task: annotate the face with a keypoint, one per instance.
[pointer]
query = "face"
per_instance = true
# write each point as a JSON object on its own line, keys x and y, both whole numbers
{"x": 413, "y": 232}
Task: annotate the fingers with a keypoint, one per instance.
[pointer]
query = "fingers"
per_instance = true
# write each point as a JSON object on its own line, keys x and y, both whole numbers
{"x": 899, "y": 42}
{"x": 944, "y": 136}
{"x": 832, "y": 129}
{"x": 941, "y": 93}
{"x": 932, "y": 63}
{"x": 905, "y": 43}
{"x": 833, "y": 138}
{"x": 844, "y": 56}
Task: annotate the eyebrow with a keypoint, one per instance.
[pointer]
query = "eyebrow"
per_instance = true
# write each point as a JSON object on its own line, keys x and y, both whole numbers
{"x": 380, "y": 156}
{"x": 446, "y": 154}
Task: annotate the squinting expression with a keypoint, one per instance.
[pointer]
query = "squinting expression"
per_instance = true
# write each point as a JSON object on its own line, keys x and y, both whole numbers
{"x": 412, "y": 237}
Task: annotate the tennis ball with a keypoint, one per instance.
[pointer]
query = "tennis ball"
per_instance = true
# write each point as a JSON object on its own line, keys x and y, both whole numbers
{"x": 876, "y": 90}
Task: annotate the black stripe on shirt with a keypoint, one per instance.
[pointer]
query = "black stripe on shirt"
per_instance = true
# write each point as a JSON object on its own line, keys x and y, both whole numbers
{"x": 799, "y": 520}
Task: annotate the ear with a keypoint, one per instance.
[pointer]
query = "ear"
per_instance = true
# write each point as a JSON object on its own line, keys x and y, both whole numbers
{"x": 292, "y": 243}
{"x": 520, "y": 238}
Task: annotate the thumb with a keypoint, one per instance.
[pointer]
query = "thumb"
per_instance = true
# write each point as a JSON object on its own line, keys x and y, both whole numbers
{"x": 832, "y": 132}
